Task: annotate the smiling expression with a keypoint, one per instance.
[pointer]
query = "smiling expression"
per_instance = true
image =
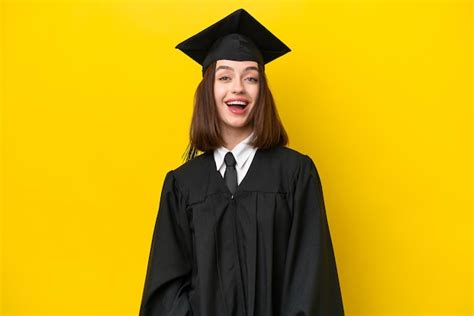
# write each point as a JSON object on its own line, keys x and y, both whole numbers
{"x": 236, "y": 88}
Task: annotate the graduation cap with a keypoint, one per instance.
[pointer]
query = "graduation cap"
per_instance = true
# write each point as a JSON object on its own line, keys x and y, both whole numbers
{"x": 238, "y": 36}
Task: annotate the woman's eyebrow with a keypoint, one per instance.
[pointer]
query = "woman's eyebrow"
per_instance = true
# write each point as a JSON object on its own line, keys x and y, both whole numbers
{"x": 251, "y": 68}
{"x": 230, "y": 68}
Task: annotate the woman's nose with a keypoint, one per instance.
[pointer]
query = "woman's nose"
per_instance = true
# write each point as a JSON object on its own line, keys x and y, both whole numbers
{"x": 237, "y": 86}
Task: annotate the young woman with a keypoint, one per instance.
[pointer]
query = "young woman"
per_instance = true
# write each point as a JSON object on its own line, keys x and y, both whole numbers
{"x": 242, "y": 228}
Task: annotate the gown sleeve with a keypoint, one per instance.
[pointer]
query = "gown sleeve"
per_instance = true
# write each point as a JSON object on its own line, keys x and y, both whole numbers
{"x": 311, "y": 285}
{"x": 169, "y": 269}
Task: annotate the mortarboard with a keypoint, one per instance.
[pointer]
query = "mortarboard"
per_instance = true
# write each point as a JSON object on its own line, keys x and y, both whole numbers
{"x": 238, "y": 36}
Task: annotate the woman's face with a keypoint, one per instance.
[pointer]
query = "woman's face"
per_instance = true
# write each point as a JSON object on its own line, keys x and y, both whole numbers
{"x": 236, "y": 87}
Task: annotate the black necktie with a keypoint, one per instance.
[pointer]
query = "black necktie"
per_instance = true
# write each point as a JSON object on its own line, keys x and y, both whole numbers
{"x": 230, "y": 175}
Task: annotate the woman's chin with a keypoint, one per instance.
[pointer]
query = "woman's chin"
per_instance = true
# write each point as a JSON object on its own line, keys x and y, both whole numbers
{"x": 236, "y": 124}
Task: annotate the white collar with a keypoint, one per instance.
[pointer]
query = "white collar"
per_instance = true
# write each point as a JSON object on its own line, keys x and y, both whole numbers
{"x": 241, "y": 153}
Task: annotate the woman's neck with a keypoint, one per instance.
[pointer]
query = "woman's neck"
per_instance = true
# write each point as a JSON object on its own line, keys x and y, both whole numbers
{"x": 232, "y": 137}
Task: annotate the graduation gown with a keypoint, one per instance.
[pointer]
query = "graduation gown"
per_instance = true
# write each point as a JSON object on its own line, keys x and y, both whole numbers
{"x": 264, "y": 251}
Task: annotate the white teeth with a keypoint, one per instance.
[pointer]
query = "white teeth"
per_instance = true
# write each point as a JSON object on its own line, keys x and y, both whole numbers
{"x": 237, "y": 103}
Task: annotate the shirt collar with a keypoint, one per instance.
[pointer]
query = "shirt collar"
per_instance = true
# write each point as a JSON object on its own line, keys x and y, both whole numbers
{"x": 241, "y": 153}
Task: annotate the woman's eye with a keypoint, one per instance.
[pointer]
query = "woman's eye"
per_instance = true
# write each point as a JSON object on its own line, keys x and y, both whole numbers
{"x": 253, "y": 79}
{"x": 223, "y": 78}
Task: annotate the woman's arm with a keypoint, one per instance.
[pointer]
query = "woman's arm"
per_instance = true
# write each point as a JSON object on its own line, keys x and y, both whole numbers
{"x": 169, "y": 267}
{"x": 311, "y": 284}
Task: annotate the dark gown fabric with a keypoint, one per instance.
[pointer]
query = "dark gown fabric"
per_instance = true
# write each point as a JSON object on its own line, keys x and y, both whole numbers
{"x": 265, "y": 251}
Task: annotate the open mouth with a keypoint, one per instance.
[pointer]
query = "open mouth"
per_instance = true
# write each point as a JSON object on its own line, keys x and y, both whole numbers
{"x": 238, "y": 104}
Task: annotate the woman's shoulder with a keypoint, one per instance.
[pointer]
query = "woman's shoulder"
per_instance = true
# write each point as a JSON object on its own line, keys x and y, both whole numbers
{"x": 194, "y": 166}
{"x": 297, "y": 162}
{"x": 287, "y": 155}
{"x": 192, "y": 173}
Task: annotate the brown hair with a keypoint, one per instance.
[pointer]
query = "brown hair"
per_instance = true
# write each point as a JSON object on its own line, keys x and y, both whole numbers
{"x": 205, "y": 133}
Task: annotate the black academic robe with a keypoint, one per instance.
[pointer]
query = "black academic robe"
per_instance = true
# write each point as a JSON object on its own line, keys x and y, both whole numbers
{"x": 264, "y": 251}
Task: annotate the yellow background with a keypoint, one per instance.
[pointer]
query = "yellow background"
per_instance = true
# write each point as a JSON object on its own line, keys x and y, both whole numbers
{"x": 96, "y": 105}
